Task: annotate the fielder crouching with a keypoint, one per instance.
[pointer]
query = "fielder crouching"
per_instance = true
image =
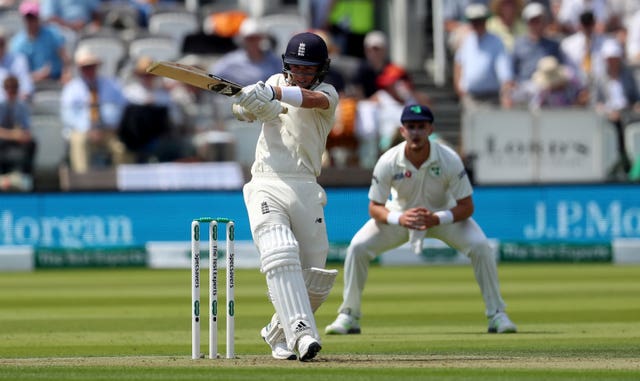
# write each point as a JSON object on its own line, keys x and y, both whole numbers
{"x": 430, "y": 196}
{"x": 284, "y": 202}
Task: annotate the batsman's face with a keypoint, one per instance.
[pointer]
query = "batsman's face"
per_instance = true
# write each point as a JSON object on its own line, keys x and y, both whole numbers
{"x": 302, "y": 76}
{"x": 416, "y": 133}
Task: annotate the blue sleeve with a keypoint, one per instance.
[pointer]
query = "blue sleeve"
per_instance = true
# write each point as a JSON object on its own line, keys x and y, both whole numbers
{"x": 48, "y": 9}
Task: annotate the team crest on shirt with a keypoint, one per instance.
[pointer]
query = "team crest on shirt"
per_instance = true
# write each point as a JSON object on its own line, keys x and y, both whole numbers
{"x": 435, "y": 170}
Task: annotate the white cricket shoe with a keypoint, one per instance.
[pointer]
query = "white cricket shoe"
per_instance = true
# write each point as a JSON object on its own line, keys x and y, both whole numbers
{"x": 308, "y": 347}
{"x": 279, "y": 349}
{"x": 343, "y": 325}
{"x": 500, "y": 323}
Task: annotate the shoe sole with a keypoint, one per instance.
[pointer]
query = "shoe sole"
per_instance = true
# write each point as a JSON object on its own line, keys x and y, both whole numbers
{"x": 495, "y": 330}
{"x": 312, "y": 351}
{"x": 352, "y": 331}
{"x": 273, "y": 354}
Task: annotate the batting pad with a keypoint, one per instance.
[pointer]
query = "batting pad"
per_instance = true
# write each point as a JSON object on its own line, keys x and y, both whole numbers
{"x": 319, "y": 283}
{"x": 280, "y": 263}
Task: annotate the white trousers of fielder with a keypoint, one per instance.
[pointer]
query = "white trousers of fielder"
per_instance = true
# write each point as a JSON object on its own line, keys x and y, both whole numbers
{"x": 374, "y": 239}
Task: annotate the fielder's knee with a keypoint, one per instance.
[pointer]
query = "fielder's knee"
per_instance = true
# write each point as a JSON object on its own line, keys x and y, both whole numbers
{"x": 481, "y": 251}
{"x": 359, "y": 250}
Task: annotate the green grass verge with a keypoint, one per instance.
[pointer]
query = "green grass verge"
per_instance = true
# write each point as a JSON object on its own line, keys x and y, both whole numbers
{"x": 576, "y": 322}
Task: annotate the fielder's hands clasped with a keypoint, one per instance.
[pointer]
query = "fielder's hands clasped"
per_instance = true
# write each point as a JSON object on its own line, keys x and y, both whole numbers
{"x": 418, "y": 219}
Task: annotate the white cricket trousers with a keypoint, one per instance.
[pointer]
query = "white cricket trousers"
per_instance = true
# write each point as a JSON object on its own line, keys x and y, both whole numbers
{"x": 296, "y": 202}
{"x": 374, "y": 239}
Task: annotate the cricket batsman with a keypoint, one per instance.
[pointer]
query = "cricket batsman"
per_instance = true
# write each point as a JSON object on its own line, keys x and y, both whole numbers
{"x": 284, "y": 202}
{"x": 431, "y": 196}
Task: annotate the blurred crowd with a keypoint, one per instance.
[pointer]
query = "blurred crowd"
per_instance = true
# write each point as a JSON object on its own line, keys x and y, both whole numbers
{"x": 90, "y": 58}
{"x": 550, "y": 54}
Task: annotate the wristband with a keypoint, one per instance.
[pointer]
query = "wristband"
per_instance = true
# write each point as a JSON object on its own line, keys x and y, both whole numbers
{"x": 393, "y": 218}
{"x": 291, "y": 95}
{"x": 445, "y": 216}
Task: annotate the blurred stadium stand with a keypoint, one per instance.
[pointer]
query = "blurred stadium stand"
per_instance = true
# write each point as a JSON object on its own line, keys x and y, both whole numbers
{"x": 175, "y": 30}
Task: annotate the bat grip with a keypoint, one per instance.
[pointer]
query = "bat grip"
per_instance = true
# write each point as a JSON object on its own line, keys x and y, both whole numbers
{"x": 284, "y": 109}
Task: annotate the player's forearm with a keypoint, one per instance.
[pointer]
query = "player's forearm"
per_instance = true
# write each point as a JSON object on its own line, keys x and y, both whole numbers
{"x": 463, "y": 210}
{"x": 310, "y": 98}
{"x": 379, "y": 212}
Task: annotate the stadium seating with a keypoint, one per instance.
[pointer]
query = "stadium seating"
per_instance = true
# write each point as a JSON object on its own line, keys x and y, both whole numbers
{"x": 176, "y": 25}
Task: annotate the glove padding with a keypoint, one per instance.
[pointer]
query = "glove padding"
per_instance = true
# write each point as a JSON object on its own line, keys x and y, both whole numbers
{"x": 242, "y": 114}
{"x": 264, "y": 91}
{"x": 244, "y": 94}
{"x": 254, "y": 96}
{"x": 268, "y": 111}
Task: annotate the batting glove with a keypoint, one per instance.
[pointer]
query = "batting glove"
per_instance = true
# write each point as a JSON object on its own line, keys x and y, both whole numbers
{"x": 246, "y": 93}
{"x": 264, "y": 92}
{"x": 242, "y": 114}
{"x": 269, "y": 111}
{"x": 254, "y": 96}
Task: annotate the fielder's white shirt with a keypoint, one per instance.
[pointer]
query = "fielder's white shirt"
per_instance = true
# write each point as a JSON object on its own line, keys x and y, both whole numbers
{"x": 293, "y": 143}
{"x": 436, "y": 185}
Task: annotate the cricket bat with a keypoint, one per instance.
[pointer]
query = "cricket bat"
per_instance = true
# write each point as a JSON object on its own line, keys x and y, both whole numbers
{"x": 196, "y": 77}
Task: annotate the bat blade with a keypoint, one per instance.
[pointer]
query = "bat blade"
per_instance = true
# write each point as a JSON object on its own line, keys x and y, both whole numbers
{"x": 194, "y": 76}
{"x": 197, "y": 77}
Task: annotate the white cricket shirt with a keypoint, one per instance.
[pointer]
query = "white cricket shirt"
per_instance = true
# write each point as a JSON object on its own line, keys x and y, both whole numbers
{"x": 293, "y": 144}
{"x": 436, "y": 185}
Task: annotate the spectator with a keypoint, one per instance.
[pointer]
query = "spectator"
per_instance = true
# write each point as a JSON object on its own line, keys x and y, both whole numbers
{"x": 571, "y": 10}
{"x": 377, "y": 72}
{"x": 253, "y": 61}
{"x": 17, "y": 146}
{"x": 77, "y": 15}
{"x": 554, "y": 29}
{"x": 582, "y": 48}
{"x": 91, "y": 109}
{"x": 14, "y": 64}
{"x": 532, "y": 46}
{"x": 456, "y": 24}
{"x": 554, "y": 85}
{"x": 43, "y": 46}
{"x": 505, "y": 21}
{"x": 616, "y": 96}
{"x": 152, "y": 120}
{"x": 633, "y": 39}
{"x": 483, "y": 72}
{"x": 382, "y": 88}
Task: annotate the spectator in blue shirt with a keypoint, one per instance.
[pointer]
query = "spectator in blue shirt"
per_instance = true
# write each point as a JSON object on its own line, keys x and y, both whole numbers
{"x": 456, "y": 24}
{"x": 77, "y": 15}
{"x": 483, "y": 73}
{"x": 42, "y": 45}
{"x": 91, "y": 110}
{"x": 253, "y": 61}
{"x": 533, "y": 46}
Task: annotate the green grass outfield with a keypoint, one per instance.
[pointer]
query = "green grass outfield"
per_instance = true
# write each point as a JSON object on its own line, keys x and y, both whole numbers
{"x": 576, "y": 322}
